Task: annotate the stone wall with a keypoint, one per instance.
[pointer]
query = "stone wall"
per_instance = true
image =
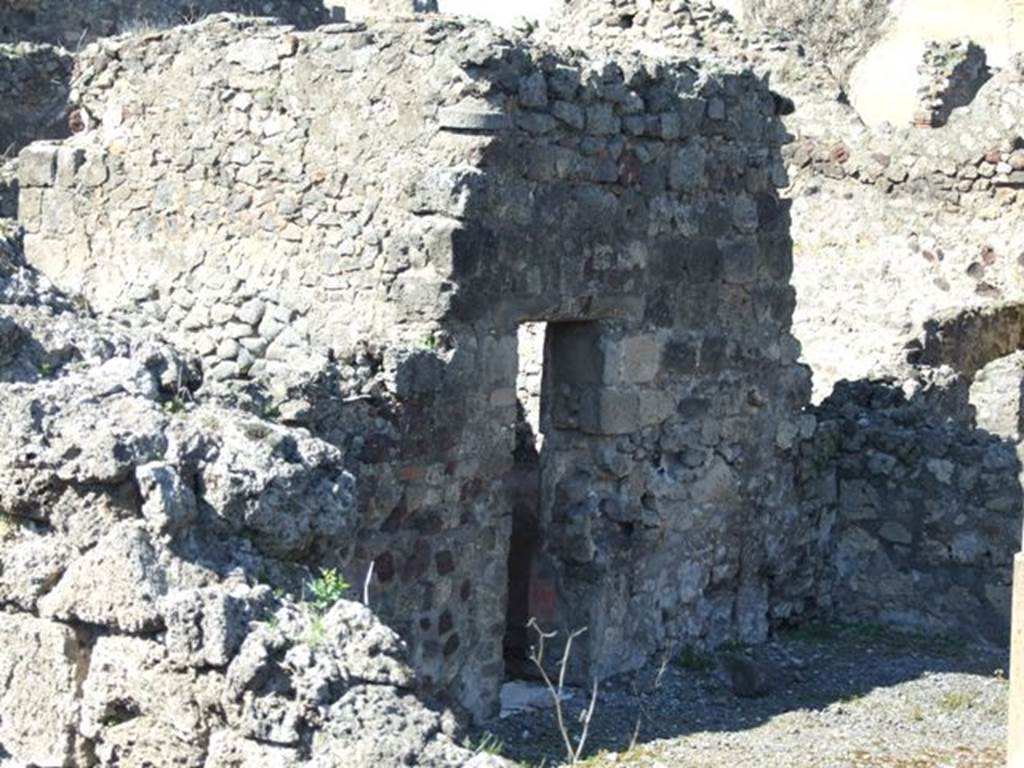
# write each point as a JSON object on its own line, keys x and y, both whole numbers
{"x": 837, "y": 32}
{"x": 891, "y": 227}
{"x": 884, "y": 83}
{"x": 975, "y": 163}
{"x": 159, "y": 557}
{"x": 896, "y": 232}
{"x": 922, "y": 234}
{"x": 926, "y": 507}
{"x": 951, "y": 73}
{"x": 355, "y": 252}
{"x": 73, "y": 24}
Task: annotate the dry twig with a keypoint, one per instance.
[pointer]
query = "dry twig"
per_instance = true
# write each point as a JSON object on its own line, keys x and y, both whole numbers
{"x": 573, "y": 752}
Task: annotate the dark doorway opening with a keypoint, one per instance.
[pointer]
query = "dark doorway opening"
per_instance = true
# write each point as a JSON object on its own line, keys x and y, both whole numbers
{"x": 560, "y": 372}
{"x": 524, "y": 490}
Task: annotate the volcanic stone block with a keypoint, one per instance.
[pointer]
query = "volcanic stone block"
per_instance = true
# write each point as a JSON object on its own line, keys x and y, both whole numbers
{"x": 37, "y": 165}
{"x": 37, "y": 705}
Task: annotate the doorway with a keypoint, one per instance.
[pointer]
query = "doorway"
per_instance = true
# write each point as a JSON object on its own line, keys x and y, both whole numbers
{"x": 524, "y": 491}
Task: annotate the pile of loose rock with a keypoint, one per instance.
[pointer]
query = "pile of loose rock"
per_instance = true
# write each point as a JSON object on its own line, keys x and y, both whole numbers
{"x": 156, "y": 555}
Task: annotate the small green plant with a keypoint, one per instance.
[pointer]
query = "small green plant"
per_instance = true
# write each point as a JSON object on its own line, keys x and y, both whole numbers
{"x": 317, "y": 631}
{"x": 324, "y": 592}
{"x": 270, "y": 411}
{"x": 489, "y": 744}
{"x": 694, "y": 660}
{"x": 210, "y": 422}
{"x": 81, "y": 304}
{"x": 47, "y": 369}
{"x": 327, "y": 590}
{"x": 175, "y": 406}
{"x": 431, "y": 342}
{"x": 954, "y": 701}
{"x": 9, "y": 527}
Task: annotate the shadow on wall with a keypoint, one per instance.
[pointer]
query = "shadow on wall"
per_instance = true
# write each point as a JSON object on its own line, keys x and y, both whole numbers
{"x": 613, "y": 208}
{"x": 635, "y": 212}
{"x": 927, "y": 507}
{"x": 646, "y": 230}
{"x": 35, "y": 82}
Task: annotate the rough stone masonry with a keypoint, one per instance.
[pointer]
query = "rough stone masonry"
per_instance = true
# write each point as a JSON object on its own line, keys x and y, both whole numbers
{"x": 139, "y": 539}
{"x": 354, "y": 251}
{"x": 541, "y": 300}
{"x": 73, "y": 24}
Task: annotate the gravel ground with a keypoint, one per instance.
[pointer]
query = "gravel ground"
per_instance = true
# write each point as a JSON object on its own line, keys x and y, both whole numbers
{"x": 837, "y": 696}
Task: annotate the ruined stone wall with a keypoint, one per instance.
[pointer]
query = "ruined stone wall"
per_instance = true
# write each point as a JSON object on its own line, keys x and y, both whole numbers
{"x": 73, "y": 24}
{"x": 922, "y": 233}
{"x": 903, "y": 260}
{"x": 159, "y": 557}
{"x": 355, "y": 252}
{"x": 884, "y": 84}
{"x": 890, "y": 227}
{"x": 926, "y": 507}
{"x": 974, "y": 162}
{"x": 839, "y": 32}
{"x": 951, "y": 73}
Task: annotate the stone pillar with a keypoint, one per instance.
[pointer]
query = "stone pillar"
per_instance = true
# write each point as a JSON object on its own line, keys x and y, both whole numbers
{"x": 1015, "y": 753}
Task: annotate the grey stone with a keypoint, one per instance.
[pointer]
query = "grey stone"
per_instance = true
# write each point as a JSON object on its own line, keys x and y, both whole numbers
{"x": 749, "y": 678}
{"x": 533, "y": 91}
{"x": 168, "y": 504}
{"x": 132, "y": 704}
{"x": 601, "y": 120}
{"x": 31, "y": 567}
{"x": 251, "y": 312}
{"x": 568, "y": 113}
{"x": 465, "y": 119}
{"x": 40, "y": 673}
{"x": 686, "y": 170}
{"x": 206, "y": 627}
{"x": 37, "y": 165}
{"x": 115, "y": 585}
{"x": 896, "y": 533}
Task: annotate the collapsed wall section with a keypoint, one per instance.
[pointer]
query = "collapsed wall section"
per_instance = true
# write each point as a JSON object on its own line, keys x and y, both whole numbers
{"x": 350, "y": 226}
